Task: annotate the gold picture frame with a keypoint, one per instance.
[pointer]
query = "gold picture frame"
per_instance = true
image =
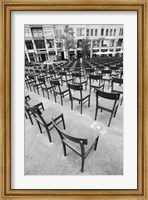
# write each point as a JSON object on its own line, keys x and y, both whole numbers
{"x": 5, "y": 107}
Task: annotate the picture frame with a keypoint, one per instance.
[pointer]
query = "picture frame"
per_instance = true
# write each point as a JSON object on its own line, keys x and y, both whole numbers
{"x": 5, "y": 115}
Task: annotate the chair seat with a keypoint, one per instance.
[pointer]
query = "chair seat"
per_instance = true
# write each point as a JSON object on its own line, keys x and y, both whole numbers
{"x": 50, "y": 113}
{"x": 77, "y": 81}
{"x": 34, "y": 102}
{"x": 66, "y": 80}
{"x": 94, "y": 83}
{"x": 48, "y": 87}
{"x": 107, "y": 103}
{"x": 76, "y": 94}
{"x": 82, "y": 131}
{"x": 118, "y": 88}
{"x": 63, "y": 89}
{"x": 106, "y": 77}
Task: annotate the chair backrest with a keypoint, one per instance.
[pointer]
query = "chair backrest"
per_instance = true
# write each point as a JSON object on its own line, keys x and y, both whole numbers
{"x": 75, "y": 87}
{"x": 106, "y": 71}
{"x": 55, "y": 83}
{"x": 63, "y": 135}
{"x": 62, "y": 73}
{"x": 95, "y": 77}
{"x": 117, "y": 80}
{"x": 31, "y": 77}
{"x": 90, "y": 70}
{"x": 37, "y": 113}
{"x": 107, "y": 95}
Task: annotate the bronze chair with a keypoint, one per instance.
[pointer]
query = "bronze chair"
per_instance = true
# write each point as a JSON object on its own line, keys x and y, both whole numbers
{"x": 103, "y": 101}
{"x": 45, "y": 88}
{"x": 81, "y": 142}
{"x": 117, "y": 87}
{"x": 32, "y": 103}
{"x": 76, "y": 94}
{"x": 95, "y": 82}
{"x": 64, "y": 77}
{"x": 45, "y": 119}
{"x": 59, "y": 90}
{"x": 78, "y": 78}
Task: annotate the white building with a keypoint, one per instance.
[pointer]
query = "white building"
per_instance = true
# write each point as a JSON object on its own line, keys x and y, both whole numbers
{"x": 46, "y": 42}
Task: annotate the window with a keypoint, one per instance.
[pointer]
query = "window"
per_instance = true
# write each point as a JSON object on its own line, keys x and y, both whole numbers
{"x": 105, "y": 43}
{"x": 102, "y": 31}
{"x": 91, "y": 32}
{"x": 59, "y": 45}
{"x": 29, "y": 44}
{"x": 31, "y": 56}
{"x": 87, "y": 32}
{"x": 112, "y": 43}
{"x": 111, "y": 32}
{"x": 106, "y": 32}
{"x": 121, "y": 31}
{"x": 114, "y": 32}
{"x": 37, "y": 32}
{"x": 96, "y": 43}
{"x": 80, "y": 31}
{"x": 51, "y": 53}
{"x": 40, "y": 44}
{"x": 96, "y": 32}
{"x": 50, "y": 43}
{"x": 26, "y": 59}
{"x": 119, "y": 42}
{"x": 59, "y": 33}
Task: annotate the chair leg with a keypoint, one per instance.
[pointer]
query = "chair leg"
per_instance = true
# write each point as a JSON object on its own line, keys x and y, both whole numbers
{"x": 48, "y": 133}
{"x": 96, "y": 113}
{"x": 81, "y": 107}
{"x": 61, "y": 100}
{"x": 30, "y": 119}
{"x": 39, "y": 127}
{"x": 26, "y": 116}
{"x": 89, "y": 102}
{"x": 64, "y": 148}
{"x": 121, "y": 101}
{"x": 38, "y": 90}
{"x": 63, "y": 122}
{"x": 48, "y": 94}
{"x": 71, "y": 104}
{"x": 82, "y": 164}
{"x": 55, "y": 98}
{"x": 110, "y": 119}
{"x": 95, "y": 147}
{"x": 43, "y": 93}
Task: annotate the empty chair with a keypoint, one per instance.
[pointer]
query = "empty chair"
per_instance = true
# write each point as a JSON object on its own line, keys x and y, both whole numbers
{"x": 31, "y": 81}
{"x": 45, "y": 87}
{"x": 106, "y": 76}
{"x": 81, "y": 139}
{"x": 117, "y": 86}
{"x": 32, "y": 103}
{"x": 78, "y": 78}
{"x": 107, "y": 102}
{"x": 62, "y": 91}
{"x": 94, "y": 81}
{"x": 54, "y": 75}
{"x": 64, "y": 78}
{"x": 45, "y": 119}
{"x": 36, "y": 85}
{"x": 76, "y": 94}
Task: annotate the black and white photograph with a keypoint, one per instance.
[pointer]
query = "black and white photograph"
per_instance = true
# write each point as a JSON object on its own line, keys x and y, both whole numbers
{"x": 74, "y": 101}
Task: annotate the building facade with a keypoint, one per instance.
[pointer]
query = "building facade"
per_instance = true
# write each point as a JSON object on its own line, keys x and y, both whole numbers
{"x": 47, "y": 42}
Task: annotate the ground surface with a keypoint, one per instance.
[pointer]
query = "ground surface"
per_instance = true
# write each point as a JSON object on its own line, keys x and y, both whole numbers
{"x": 44, "y": 158}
